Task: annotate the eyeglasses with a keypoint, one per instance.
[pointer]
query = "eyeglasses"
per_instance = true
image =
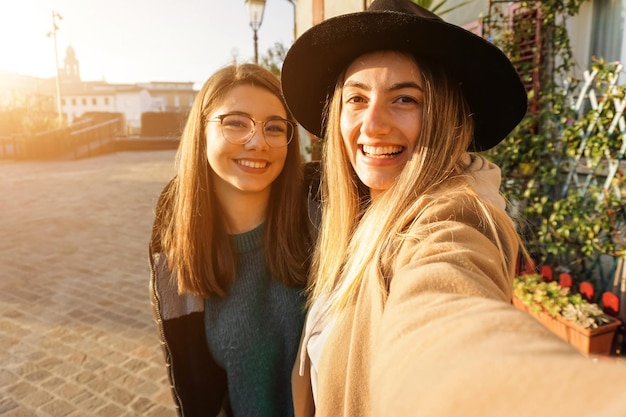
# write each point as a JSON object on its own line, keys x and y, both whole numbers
{"x": 238, "y": 129}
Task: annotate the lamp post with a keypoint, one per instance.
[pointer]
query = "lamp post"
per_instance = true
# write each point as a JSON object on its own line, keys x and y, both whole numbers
{"x": 53, "y": 33}
{"x": 255, "y": 15}
{"x": 295, "y": 32}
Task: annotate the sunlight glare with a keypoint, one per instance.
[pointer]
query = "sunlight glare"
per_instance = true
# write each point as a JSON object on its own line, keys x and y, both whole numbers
{"x": 25, "y": 48}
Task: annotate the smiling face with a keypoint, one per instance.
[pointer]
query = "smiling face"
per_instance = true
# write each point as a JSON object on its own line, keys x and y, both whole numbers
{"x": 245, "y": 170}
{"x": 381, "y": 116}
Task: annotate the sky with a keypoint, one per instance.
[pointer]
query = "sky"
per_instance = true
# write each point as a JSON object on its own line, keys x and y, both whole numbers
{"x": 136, "y": 41}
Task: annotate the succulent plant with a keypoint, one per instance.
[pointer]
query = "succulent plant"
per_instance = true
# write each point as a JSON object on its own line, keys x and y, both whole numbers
{"x": 549, "y": 297}
{"x": 586, "y": 315}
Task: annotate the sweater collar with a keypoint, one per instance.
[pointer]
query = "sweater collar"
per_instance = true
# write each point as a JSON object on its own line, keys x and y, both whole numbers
{"x": 248, "y": 241}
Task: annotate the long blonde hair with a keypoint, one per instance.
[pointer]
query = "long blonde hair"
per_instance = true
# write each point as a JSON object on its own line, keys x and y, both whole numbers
{"x": 355, "y": 230}
{"x": 193, "y": 234}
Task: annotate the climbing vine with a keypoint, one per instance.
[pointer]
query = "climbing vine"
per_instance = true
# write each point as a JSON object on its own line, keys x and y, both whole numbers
{"x": 568, "y": 214}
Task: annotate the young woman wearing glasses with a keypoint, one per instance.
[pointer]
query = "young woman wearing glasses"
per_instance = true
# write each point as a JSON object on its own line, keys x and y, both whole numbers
{"x": 230, "y": 251}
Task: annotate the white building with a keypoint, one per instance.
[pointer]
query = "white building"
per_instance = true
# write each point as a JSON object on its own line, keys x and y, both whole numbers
{"x": 81, "y": 97}
{"x": 131, "y": 100}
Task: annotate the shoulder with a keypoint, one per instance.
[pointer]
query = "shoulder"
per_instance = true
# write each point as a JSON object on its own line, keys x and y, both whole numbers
{"x": 462, "y": 198}
{"x": 458, "y": 241}
{"x": 165, "y": 196}
{"x": 455, "y": 201}
{"x": 163, "y": 206}
{"x": 461, "y": 212}
{"x": 485, "y": 177}
{"x": 459, "y": 209}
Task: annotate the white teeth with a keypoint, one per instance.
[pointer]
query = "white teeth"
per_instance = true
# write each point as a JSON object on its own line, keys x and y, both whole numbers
{"x": 252, "y": 164}
{"x": 385, "y": 151}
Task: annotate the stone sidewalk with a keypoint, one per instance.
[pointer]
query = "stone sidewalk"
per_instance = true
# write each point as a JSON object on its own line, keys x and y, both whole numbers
{"x": 76, "y": 331}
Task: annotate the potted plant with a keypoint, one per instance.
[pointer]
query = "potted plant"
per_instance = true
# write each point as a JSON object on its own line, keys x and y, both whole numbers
{"x": 568, "y": 315}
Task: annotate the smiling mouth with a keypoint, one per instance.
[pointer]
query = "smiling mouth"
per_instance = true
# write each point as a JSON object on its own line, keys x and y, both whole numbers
{"x": 381, "y": 151}
{"x": 252, "y": 164}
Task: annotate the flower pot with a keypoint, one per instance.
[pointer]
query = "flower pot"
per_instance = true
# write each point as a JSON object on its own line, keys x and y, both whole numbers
{"x": 598, "y": 341}
{"x": 558, "y": 327}
{"x": 518, "y": 304}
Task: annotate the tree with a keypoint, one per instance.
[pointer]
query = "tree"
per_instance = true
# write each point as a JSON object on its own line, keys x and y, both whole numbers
{"x": 274, "y": 58}
{"x": 27, "y": 113}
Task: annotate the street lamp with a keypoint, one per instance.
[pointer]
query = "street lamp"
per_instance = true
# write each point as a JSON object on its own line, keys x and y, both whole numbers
{"x": 53, "y": 33}
{"x": 295, "y": 32}
{"x": 255, "y": 14}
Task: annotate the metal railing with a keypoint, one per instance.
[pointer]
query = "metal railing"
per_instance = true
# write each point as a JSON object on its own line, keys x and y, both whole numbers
{"x": 78, "y": 141}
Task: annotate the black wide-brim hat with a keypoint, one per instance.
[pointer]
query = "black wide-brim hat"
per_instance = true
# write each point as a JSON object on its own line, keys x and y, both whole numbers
{"x": 496, "y": 96}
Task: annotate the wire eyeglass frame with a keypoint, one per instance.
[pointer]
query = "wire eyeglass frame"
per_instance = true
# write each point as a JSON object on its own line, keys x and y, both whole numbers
{"x": 239, "y": 129}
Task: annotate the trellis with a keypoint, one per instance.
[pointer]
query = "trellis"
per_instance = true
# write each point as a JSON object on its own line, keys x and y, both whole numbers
{"x": 598, "y": 109}
{"x": 508, "y": 16}
{"x": 605, "y": 101}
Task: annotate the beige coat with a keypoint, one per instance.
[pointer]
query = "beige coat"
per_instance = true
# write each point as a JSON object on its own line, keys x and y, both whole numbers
{"x": 446, "y": 341}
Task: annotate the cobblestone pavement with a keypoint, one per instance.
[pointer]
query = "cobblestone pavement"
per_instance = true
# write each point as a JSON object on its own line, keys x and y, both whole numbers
{"x": 76, "y": 332}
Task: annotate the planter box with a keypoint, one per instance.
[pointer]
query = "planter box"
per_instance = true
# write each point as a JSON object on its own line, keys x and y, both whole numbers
{"x": 597, "y": 341}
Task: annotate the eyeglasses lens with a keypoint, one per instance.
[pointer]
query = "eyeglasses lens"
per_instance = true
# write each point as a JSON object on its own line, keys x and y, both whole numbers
{"x": 238, "y": 129}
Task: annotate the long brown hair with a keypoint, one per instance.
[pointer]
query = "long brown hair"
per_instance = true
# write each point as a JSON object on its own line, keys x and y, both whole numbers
{"x": 193, "y": 234}
{"x": 354, "y": 229}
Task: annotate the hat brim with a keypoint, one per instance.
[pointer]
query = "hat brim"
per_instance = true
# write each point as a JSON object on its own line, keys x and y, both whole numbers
{"x": 492, "y": 87}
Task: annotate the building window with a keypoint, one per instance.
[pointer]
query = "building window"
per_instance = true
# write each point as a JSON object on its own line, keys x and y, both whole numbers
{"x": 607, "y": 29}
{"x": 73, "y": 102}
{"x": 94, "y": 101}
{"x": 106, "y": 101}
{"x": 62, "y": 101}
{"x": 84, "y": 101}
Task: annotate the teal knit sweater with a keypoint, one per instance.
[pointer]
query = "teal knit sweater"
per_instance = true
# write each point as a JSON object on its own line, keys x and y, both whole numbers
{"x": 253, "y": 333}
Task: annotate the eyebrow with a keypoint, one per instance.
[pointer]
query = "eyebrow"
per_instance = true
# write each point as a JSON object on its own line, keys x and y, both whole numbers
{"x": 270, "y": 117}
{"x": 397, "y": 86}
{"x": 408, "y": 84}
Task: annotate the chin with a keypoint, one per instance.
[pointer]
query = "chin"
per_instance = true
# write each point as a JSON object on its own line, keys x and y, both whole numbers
{"x": 377, "y": 182}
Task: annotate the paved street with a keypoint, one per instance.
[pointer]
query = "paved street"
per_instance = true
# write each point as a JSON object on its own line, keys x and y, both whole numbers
{"x": 76, "y": 332}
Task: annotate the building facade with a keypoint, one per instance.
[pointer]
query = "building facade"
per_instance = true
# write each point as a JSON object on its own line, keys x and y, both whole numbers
{"x": 597, "y": 31}
{"x": 79, "y": 98}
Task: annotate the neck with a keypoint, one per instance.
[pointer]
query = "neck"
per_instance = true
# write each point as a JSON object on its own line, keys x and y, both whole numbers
{"x": 240, "y": 221}
{"x": 245, "y": 212}
{"x": 374, "y": 194}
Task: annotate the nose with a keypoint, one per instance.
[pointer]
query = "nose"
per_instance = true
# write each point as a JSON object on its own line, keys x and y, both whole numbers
{"x": 376, "y": 119}
{"x": 257, "y": 141}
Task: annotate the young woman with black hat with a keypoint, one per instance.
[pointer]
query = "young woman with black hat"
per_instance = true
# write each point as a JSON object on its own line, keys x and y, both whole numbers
{"x": 410, "y": 309}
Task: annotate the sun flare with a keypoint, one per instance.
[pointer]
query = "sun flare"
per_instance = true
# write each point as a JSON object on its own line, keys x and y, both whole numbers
{"x": 26, "y": 49}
